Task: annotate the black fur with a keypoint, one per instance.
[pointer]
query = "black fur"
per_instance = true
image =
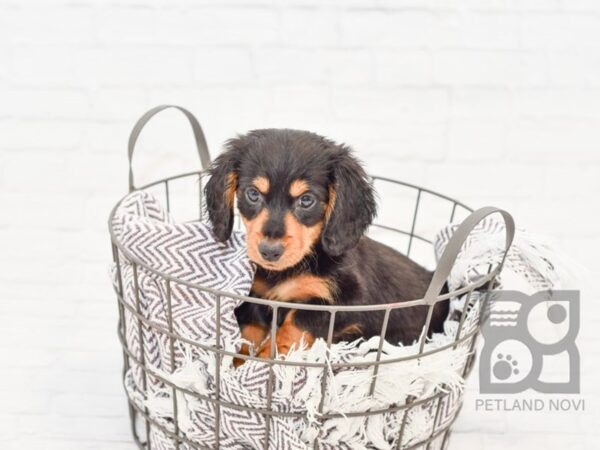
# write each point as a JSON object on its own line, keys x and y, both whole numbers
{"x": 216, "y": 193}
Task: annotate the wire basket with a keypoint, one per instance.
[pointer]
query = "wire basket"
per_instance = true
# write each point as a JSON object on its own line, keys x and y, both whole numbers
{"x": 407, "y": 237}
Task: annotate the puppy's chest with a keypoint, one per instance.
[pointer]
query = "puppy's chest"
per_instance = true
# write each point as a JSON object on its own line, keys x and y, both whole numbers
{"x": 297, "y": 288}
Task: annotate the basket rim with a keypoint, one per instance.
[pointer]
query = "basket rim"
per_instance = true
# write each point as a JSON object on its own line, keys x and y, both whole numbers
{"x": 479, "y": 282}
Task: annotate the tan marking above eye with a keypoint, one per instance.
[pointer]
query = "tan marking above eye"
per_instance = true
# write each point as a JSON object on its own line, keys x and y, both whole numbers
{"x": 262, "y": 184}
{"x": 298, "y": 187}
{"x": 303, "y": 287}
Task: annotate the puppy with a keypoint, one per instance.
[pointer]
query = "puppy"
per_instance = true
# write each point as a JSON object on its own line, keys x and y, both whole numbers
{"x": 306, "y": 203}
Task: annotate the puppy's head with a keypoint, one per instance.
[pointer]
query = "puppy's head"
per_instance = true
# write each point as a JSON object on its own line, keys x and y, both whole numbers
{"x": 295, "y": 190}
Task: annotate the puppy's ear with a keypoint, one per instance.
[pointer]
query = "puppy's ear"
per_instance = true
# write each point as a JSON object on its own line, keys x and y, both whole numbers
{"x": 351, "y": 206}
{"x": 219, "y": 192}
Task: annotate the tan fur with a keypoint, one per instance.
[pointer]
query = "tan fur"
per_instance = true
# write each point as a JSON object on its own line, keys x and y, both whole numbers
{"x": 254, "y": 234}
{"x": 298, "y": 187}
{"x": 231, "y": 188}
{"x": 297, "y": 241}
{"x": 349, "y": 331}
{"x": 331, "y": 203}
{"x": 302, "y": 287}
{"x": 288, "y": 335}
{"x": 255, "y": 334}
{"x": 260, "y": 287}
{"x": 262, "y": 184}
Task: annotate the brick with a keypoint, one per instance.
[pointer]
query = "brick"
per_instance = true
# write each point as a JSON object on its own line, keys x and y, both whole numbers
{"x": 127, "y": 25}
{"x": 568, "y": 219}
{"x": 555, "y": 102}
{"x": 23, "y": 356}
{"x": 347, "y": 67}
{"x": 296, "y": 106}
{"x": 560, "y": 31}
{"x": 229, "y": 26}
{"x": 37, "y": 134}
{"x": 314, "y": 27}
{"x": 476, "y": 140}
{"x": 61, "y": 212}
{"x": 475, "y": 67}
{"x": 110, "y": 138}
{"x": 32, "y": 308}
{"x": 481, "y": 103}
{"x": 579, "y": 249}
{"x": 57, "y": 25}
{"x": 96, "y": 211}
{"x": 486, "y": 31}
{"x": 395, "y": 168}
{"x": 554, "y": 140}
{"x": 135, "y": 65}
{"x": 46, "y": 65}
{"x": 534, "y": 69}
{"x": 582, "y": 5}
{"x": 112, "y": 104}
{"x": 573, "y": 69}
{"x": 564, "y": 181}
{"x": 403, "y": 67}
{"x": 52, "y": 172}
{"x": 44, "y": 104}
{"x": 485, "y": 180}
{"x": 45, "y": 242}
{"x": 290, "y": 65}
{"x": 386, "y": 28}
{"x": 390, "y": 105}
{"x": 223, "y": 66}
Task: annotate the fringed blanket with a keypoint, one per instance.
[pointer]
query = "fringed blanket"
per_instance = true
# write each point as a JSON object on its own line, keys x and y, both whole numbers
{"x": 189, "y": 253}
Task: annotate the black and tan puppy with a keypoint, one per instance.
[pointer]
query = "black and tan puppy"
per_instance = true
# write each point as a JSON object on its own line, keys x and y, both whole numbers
{"x": 306, "y": 203}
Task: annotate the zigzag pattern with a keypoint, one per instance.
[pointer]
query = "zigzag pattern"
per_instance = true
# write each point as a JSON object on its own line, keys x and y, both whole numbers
{"x": 189, "y": 252}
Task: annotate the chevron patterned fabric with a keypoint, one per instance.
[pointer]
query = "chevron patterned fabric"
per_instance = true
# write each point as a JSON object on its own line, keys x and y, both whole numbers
{"x": 184, "y": 325}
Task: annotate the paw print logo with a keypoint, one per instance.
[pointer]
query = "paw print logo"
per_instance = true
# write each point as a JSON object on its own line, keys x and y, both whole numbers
{"x": 505, "y": 367}
{"x": 524, "y": 332}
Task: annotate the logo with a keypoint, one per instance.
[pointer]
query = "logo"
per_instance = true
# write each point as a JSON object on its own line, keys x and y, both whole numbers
{"x": 529, "y": 343}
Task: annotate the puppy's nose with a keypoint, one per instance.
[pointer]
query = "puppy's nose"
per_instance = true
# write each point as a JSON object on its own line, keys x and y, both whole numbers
{"x": 270, "y": 251}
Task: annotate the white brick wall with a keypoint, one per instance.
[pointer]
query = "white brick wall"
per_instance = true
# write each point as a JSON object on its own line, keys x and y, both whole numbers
{"x": 494, "y": 102}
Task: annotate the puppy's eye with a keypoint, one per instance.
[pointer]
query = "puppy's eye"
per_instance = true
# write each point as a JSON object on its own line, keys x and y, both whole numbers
{"x": 306, "y": 201}
{"x": 252, "y": 195}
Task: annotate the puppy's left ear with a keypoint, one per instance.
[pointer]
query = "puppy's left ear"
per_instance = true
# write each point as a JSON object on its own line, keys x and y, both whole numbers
{"x": 352, "y": 205}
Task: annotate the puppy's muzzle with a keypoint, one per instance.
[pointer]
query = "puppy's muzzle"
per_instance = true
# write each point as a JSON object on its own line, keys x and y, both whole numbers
{"x": 270, "y": 251}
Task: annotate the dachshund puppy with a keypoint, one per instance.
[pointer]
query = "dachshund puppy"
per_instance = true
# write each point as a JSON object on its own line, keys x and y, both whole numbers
{"x": 306, "y": 203}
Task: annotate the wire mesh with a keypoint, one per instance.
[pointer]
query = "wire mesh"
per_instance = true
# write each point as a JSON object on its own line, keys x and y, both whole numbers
{"x": 140, "y": 417}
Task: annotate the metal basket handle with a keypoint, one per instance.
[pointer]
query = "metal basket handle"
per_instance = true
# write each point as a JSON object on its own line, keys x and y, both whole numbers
{"x": 142, "y": 121}
{"x": 456, "y": 242}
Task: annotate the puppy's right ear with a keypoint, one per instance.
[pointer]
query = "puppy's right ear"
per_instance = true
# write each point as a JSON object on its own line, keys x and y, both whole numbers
{"x": 219, "y": 192}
